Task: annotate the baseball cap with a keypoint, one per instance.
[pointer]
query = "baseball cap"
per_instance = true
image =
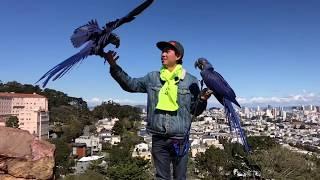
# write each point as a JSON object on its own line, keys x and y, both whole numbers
{"x": 175, "y": 45}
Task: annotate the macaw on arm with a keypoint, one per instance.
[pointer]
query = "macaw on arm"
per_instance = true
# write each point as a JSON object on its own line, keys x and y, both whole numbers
{"x": 224, "y": 94}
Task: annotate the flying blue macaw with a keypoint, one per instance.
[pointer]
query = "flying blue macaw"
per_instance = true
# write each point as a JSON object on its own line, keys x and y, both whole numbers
{"x": 95, "y": 38}
{"x": 224, "y": 94}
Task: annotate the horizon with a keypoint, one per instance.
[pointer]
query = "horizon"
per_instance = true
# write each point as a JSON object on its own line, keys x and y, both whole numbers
{"x": 267, "y": 51}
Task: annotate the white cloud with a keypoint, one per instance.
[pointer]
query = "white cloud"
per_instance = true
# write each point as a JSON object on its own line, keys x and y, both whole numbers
{"x": 294, "y": 99}
{"x": 297, "y": 99}
{"x": 93, "y": 101}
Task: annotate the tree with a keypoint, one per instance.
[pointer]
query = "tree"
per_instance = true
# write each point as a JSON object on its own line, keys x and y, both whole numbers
{"x": 191, "y": 172}
{"x": 281, "y": 163}
{"x": 92, "y": 128}
{"x": 55, "y": 98}
{"x": 302, "y": 126}
{"x": 118, "y": 128}
{"x": 261, "y": 142}
{"x": 61, "y": 156}
{"x": 13, "y": 122}
{"x": 72, "y": 130}
{"x": 213, "y": 163}
{"x": 89, "y": 174}
{"x": 111, "y": 109}
{"x": 121, "y": 164}
{"x": 135, "y": 169}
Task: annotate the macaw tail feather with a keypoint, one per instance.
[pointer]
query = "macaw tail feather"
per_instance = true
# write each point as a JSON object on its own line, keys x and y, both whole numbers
{"x": 61, "y": 69}
{"x": 234, "y": 122}
{"x": 83, "y": 34}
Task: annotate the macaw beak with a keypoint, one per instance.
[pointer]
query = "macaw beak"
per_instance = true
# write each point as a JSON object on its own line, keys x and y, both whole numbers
{"x": 196, "y": 64}
{"x": 114, "y": 39}
{"x": 117, "y": 45}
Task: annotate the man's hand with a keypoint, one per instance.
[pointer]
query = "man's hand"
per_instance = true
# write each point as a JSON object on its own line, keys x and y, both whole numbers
{"x": 110, "y": 56}
{"x": 205, "y": 94}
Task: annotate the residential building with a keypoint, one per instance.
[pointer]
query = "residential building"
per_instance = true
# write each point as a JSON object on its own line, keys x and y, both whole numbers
{"x": 30, "y": 109}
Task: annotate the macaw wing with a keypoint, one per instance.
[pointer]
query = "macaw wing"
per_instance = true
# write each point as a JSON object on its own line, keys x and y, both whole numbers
{"x": 132, "y": 14}
{"x": 216, "y": 82}
{"x": 115, "y": 24}
{"x": 62, "y": 68}
{"x": 83, "y": 33}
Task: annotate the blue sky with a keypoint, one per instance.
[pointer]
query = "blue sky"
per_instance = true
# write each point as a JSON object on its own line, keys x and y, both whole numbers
{"x": 267, "y": 50}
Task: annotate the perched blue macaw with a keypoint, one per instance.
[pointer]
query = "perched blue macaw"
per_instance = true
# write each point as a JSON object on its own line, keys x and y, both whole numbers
{"x": 95, "y": 38}
{"x": 224, "y": 94}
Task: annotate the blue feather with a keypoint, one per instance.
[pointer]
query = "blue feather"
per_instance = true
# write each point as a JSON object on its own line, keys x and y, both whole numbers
{"x": 61, "y": 69}
{"x": 235, "y": 124}
{"x": 84, "y": 33}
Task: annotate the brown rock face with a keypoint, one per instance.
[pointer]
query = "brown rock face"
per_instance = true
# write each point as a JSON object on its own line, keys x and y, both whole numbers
{"x": 8, "y": 177}
{"x": 22, "y": 156}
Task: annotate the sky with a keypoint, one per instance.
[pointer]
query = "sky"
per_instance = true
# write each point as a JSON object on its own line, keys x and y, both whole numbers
{"x": 267, "y": 50}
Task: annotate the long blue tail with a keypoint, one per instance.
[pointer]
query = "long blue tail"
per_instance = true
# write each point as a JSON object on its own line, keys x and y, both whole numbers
{"x": 61, "y": 69}
{"x": 234, "y": 121}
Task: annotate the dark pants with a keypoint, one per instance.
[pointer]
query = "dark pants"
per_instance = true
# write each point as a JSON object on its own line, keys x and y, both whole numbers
{"x": 163, "y": 154}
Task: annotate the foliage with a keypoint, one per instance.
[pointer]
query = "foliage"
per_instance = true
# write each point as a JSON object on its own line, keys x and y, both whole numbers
{"x": 280, "y": 163}
{"x": 261, "y": 142}
{"x": 134, "y": 169}
{"x": 111, "y": 109}
{"x": 213, "y": 163}
{"x": 122, "y": 165}
{"x": 118, "y": 128}
{"x": 267, "y": 158}
{"x": 14, "y": 86}
{"x": 89, "y": 174}
{"x": 13, "y": 122}
{"x": 62, "y": 153}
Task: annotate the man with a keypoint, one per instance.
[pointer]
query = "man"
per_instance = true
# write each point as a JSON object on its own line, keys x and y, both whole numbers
{"x": 173, "y": 98}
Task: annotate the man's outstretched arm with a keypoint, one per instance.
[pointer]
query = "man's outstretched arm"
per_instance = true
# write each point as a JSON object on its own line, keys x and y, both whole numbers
{"x": 126, "y": 82}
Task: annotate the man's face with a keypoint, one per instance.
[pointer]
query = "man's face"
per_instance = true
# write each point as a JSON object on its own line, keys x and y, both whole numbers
{"x": 169, "y": 57}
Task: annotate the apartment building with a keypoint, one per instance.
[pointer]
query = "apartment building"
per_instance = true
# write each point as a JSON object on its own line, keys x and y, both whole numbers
{"x": 30, "y": 109}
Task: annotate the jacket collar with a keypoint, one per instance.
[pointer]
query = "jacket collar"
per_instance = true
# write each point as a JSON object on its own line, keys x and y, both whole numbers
{"x": 183, "y": 73}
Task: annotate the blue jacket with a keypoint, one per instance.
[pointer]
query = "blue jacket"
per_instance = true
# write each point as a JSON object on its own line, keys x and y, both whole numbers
{"x": 159, "y": 122}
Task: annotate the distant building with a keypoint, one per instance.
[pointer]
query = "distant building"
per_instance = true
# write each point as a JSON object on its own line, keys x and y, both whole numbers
{"x": 30, "y": 109}
{"x": 268, "y": 113}
{"x": 105, "y": 135}
{"x": 106, "y": 124}
{"x": 198, "y": 149}
{"x": 308, "y": 108}
{"x": 142, "y": 150}
{"x": 274, "y": 112}
{"x": 115, "y": 140}
{"x": 284, "y": 115}
{"x": 83, "y": 163}
{"x": 79, "y": 150}
{"x": 91, "y": 142}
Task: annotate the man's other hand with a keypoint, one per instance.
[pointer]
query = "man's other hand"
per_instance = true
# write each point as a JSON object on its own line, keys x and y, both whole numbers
{"x": 205, "y": 94}
{"x": 111, "y": 57}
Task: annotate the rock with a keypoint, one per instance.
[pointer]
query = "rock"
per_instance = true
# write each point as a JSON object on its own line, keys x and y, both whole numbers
{"x": 15, "y": 143}
{"x": 24, "y": 156}
{"x": 8, "y": 177}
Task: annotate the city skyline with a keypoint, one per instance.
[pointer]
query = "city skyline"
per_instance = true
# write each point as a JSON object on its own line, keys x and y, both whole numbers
{"x": 266, "y": 50}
